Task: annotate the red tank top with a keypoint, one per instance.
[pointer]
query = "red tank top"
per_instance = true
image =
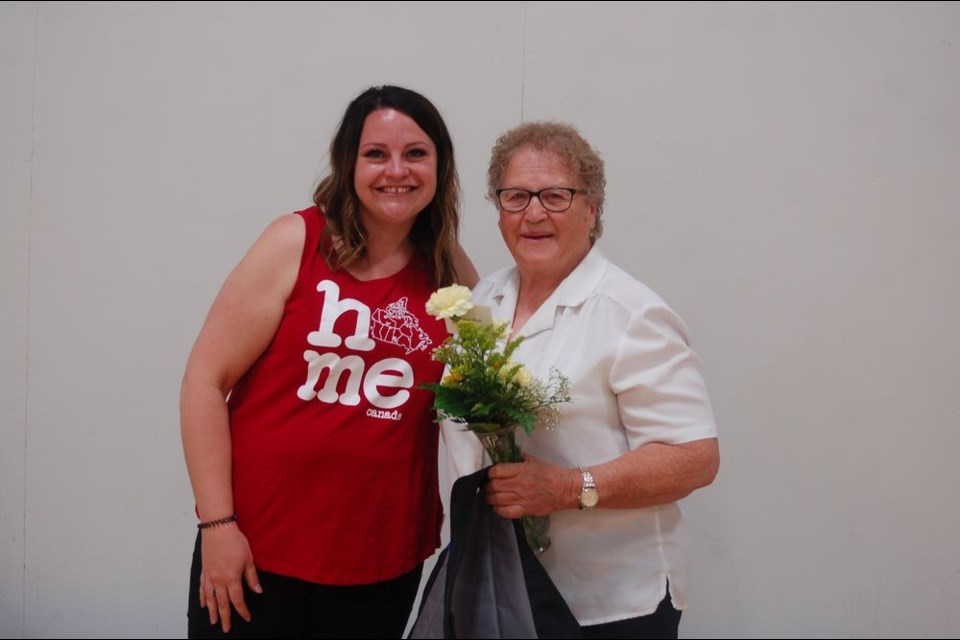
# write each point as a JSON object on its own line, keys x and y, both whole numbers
{"x": 334, "y": 444}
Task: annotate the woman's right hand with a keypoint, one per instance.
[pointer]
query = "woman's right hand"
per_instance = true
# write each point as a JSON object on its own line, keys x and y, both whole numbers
{"x": 226, "y": 560}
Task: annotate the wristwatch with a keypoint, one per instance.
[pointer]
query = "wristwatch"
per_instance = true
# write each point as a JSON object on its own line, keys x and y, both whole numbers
{"x": 589, "y": 496}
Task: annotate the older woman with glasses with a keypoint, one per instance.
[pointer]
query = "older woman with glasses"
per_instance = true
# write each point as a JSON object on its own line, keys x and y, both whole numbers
{"x": 638, "y": 434}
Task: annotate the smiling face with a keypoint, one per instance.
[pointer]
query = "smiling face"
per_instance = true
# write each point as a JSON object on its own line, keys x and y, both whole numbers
{"x": 545, "y": 245}
{"x": 396, "y": 172}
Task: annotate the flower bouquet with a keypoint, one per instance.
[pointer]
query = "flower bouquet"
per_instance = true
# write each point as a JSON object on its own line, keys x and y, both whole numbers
{"x": 486, "y": 391}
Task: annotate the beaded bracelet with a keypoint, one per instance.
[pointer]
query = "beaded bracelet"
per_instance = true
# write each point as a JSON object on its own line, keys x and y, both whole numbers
{"x": 217, "y": 523}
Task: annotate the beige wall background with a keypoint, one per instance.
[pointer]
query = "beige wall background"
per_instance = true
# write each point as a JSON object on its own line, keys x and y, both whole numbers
{"x": 786, "y": 175}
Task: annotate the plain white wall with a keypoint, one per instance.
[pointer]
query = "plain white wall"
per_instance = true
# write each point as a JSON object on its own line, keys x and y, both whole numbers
{"x": 785, "y": 175}
{"x": 16, "y": 95}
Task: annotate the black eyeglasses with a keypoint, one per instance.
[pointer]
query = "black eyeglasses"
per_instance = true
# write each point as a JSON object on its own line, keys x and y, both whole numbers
{"x": 555, "y": 199}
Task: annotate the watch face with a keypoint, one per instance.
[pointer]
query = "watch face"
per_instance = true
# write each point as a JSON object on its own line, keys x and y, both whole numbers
{"x": 589, "y": 498}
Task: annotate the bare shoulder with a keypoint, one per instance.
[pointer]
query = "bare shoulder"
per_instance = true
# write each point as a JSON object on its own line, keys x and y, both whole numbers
{"x": 285, "y": 233}
{"x": 466, "y": 272}
{"x": 274, "y": 259}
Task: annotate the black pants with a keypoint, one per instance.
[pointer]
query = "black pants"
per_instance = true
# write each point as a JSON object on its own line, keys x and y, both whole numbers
{"x": 292, "y": 608}
{"x": 662, "y": 623}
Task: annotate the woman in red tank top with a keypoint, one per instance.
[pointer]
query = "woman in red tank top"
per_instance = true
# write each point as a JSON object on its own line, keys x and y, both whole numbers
{"x": 310, "y": 446}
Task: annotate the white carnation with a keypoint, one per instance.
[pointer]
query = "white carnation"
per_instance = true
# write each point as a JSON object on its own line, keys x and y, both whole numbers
{"x": 449, "y": 302}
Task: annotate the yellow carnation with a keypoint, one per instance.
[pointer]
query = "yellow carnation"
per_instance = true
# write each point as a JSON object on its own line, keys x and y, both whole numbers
{"x": 516, "y": 374}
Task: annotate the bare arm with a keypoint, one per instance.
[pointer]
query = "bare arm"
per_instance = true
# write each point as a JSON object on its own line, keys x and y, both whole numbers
{"x": 467, "y": 274}
{"x": 651, "y": 475}
{"x": 239, "y": 326}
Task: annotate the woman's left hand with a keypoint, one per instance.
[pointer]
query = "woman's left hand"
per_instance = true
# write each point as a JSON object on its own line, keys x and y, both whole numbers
{"x": 533, "y": 487}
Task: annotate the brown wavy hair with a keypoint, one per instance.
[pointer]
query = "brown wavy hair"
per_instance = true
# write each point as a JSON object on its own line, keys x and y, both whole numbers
{"x": 566, "y": 143}
{"x": 436, "y": 228}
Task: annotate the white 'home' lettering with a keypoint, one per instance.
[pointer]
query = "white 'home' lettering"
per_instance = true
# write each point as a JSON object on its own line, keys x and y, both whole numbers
{"x": 381, "y": 377}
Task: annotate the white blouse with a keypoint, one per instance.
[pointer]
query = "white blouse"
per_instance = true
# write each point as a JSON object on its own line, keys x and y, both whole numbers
{"x": 633, "y": 379}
